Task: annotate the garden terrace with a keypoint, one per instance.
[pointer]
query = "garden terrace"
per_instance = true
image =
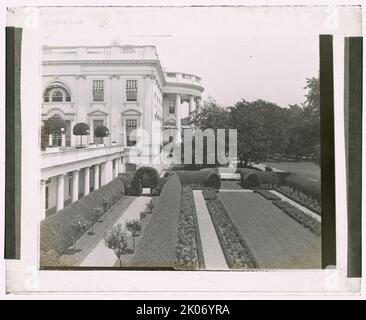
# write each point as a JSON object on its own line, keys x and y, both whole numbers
{"x": 199, "y": 179}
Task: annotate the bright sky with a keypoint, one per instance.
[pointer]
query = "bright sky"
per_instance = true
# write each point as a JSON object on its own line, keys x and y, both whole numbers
{"x": 240, "y": 52}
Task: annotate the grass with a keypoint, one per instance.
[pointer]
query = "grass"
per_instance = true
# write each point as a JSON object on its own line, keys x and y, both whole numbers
{"x": 306, "y": 168}
{"x": 276, "y": 240}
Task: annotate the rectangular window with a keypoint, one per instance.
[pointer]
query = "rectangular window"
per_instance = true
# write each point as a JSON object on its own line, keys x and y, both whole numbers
{"x": 171, "y": 107}
{"x": 56, "y": 139}
{"x": 131, "y": 90}
{"x": 98, "y": 90}
{"x": 131, "y": 124}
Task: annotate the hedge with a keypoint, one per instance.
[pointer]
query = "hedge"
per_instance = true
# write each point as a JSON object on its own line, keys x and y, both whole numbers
{"x": 157, "y": 247}
{"x": 204, "y": 178}
{"x": 254, "y": 178}
{"x": 57, "y": 230}
{"x": 303, "y": 184}
{"x": 126, "y": 179}
{"x": 138, "y": 180}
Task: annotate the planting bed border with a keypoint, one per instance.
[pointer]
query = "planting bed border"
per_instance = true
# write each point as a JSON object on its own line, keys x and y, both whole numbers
{"x": 251, "y": 263}
{"x": 297, "y": 201}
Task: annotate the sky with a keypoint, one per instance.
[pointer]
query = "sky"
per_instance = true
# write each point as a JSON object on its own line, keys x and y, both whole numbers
{"x": 239, "y": 52}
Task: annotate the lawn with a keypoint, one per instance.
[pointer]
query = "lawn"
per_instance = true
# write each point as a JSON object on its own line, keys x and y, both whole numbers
{"x": 306, "y": 168}
{"x": 276, "y": 240}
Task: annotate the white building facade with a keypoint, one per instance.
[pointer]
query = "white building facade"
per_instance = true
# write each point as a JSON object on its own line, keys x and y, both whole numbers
{"x": 121, "y": 87}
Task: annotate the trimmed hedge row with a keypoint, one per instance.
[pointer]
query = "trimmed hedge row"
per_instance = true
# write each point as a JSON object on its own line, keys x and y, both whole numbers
{"x": 267, "y": 194}
{"x": 301, "y": 183}
{"x": 204, "y": 178}
{"x": 58, "y": 230}
{"x": 254, "y": 178}
{"x": 157, "y": 247}
{"x": 308, "y": 222}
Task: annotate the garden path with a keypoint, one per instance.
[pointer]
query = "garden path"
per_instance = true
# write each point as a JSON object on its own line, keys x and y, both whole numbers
{"x": 212, "y": 252}
{"x": 297, "y": 205}
{"x": 101, "y": 256}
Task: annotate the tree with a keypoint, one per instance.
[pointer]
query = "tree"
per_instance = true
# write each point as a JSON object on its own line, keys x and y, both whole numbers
{"x": 101, "y": 131}
{"x": 81, "y": 129}
{"x": 55, "y": 125}
{"x": 78, "y": 229}
{"x": 44, "y": 137}
{"x": 134, "y": 226}
{"x": 96, "y": 213}
{"x": 116, "y": 240}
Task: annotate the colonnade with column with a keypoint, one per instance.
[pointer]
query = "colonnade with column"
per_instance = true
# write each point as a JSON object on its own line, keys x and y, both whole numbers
{"x": 99, "y": 173}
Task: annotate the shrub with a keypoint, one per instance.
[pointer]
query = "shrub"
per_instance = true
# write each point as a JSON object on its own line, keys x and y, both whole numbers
{"x": 268, "y": 168}
{"x": 209, "y": 194}
{"x": 304, "y": 219}
{"x": 134, "y": 226}
{"x": 101, "y": 131}
{"x": 80, "y": 129}
{"x": 158, "y": 243}
{"x": 205, "y": 178}
{"x": 55, "y": 125}
{"x": 138, "y": 180}
{"x": 234, "y": 247}
{"x": 267, "y": 194}
{"x": 253, "y": 178}
{"x": 188, "y": 251}
{"x": 116, "y": 240}
{"x": 58, "y": 230}
{"x": 301, "y": 183}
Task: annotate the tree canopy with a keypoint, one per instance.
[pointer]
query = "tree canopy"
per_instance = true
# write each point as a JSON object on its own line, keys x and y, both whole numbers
{"x": 81, "y": 129}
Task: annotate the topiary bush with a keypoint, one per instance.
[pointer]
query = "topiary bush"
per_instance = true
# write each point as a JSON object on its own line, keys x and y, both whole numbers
{"x": 101, "y": 131}
{"x": 253, "y": 178}
{"x": 137, "y": 181}
{"x": 199, "y": 179}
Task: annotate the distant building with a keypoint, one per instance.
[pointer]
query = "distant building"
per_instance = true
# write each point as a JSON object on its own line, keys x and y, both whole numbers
{"x": 120, "y": 87}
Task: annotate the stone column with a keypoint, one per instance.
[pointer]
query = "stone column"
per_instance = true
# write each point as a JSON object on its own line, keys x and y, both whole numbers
{"x": 75, "y": 185}
{"x": 50, "y": 140}
{"x": 198, "y": 103}
{"x": 191, "y": 104}
{"x": 116, "y": 167}
{"x": 178, "y": 116}
{"x": 86, "y": 181}
{"x": 109, "y": 171}
{"x": 43, "y": 200}
{"x": 103, "y": 173}
{"x": 120, "y": 168}
{"x": 63, "y": 139}
{"x": 60, "y": 192}
{"x": 96, "y": 176}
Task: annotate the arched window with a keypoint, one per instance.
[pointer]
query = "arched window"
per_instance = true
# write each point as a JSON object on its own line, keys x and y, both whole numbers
{"x": 57, "y": 92}
{"x": 57, "y": 96}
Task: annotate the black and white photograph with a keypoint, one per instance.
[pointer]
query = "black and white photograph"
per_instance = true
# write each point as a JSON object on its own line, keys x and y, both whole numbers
{"x": 183, "y": 138}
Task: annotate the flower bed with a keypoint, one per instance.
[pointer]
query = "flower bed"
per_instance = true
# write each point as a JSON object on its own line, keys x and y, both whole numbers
{"x": 157, "y": 247}
{"x": 209, "y": 194}
{"x": 234, "y": 247}
{"x": 303, "y": 184}
{"x": 188, "y": 250}
{"x": 300, "y": 197}
{"x": 267, "y": 194}
{"x": 57, "y": 232}
{"x": 301, "y": 217}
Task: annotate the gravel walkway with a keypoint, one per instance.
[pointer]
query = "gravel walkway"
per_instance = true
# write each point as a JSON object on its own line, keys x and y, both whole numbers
{"x": 212, "y": 252}
{"x": 101, "y": 256}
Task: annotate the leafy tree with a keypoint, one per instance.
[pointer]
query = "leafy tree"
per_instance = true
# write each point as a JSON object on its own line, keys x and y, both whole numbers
{"x": 116, "y": 240}
{"x": 101, "y": 132}
{"x": 134, "y": 226}
{"x": 81, "y": 129}
{"x": 55, "y": 125}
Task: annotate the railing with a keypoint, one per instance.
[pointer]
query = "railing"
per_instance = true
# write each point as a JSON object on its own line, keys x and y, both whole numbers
{"x": 65, "y": 156}
{"x": 104, "y": 52}
{"x": 179, "y": 77}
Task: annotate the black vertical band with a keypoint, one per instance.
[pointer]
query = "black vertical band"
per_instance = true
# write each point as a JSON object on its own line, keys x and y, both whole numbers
{"x": 327, "y": 151}
{"x": 12, "y": 144}
{"x": 353, "y": 135}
